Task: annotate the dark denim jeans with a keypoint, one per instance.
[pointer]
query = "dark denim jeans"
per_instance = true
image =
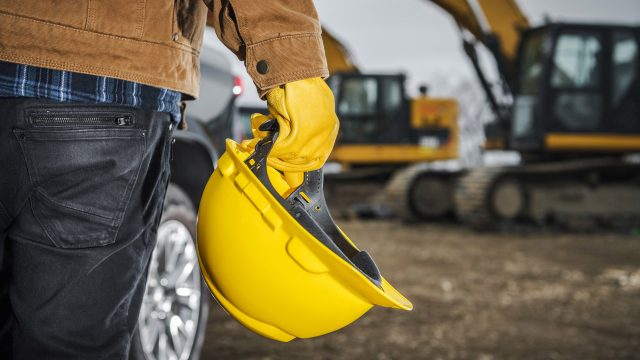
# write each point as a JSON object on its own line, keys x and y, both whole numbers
{"x": 81, "y": 194}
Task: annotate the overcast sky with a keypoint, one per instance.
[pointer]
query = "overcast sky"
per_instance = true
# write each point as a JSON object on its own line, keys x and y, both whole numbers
{"x": 421, "y": 40}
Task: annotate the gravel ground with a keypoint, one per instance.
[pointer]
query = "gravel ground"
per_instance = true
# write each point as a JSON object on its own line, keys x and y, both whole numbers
{"x": 476, "y": 296}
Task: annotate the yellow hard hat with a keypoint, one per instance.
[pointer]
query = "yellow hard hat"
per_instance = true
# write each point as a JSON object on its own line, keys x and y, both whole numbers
{"x": 281, "y": 266}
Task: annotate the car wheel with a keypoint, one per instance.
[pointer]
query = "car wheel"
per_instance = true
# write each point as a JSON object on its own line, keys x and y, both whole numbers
{"x": 175, "y": 307}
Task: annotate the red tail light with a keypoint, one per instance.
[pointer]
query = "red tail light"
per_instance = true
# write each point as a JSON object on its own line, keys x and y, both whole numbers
{"x": 237, "y": 86}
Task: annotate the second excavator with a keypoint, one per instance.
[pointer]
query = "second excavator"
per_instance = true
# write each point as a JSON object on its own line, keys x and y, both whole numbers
{"x": 567, "y": 100}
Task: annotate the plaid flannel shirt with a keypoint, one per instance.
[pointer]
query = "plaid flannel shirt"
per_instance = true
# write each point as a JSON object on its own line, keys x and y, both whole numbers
{"x": 17, "y": 80}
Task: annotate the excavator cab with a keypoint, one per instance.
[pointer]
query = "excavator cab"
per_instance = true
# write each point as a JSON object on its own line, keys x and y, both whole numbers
{"x": 577, "y": 90}
{"x": 369, "y": 107}
{"x": 379, "y": 123}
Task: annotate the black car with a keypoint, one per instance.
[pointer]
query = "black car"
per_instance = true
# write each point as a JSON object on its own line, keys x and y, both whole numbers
{"x": 175, "y": 308}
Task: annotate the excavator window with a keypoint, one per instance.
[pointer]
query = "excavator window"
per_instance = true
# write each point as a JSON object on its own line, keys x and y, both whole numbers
{"x": 373, "y": 108}
{"x": 576, "y": 61}
{"x": 393, "y": 95}
{"x": 360, "y": 97}
{"x": 534, "y": 51}
{"x": 358, "y": 105}
{"x": 532, "y": 63}
{"x": 576, "y": 81}
{"x": 625, "y": 86}
{"x": 625, "y": 64}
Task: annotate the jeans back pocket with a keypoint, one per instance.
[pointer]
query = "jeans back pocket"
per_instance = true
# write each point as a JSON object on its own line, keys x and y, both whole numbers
{"x": 83, "y": 167}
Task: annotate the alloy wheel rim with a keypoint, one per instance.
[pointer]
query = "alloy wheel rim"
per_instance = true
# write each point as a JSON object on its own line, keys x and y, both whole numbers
{"x": 171, "y": 306}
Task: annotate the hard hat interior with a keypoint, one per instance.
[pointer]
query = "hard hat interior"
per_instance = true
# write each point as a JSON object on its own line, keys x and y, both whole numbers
{"x": 307, "y": 205}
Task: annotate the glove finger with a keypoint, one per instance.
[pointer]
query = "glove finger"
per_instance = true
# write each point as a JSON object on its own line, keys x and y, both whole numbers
{"x": 294, "y": 179}
{"x": 276, "y": 103}
{"x": 258, "y": 119}
{"x": 287, "y": 166}
{"x": 249, "y": 145}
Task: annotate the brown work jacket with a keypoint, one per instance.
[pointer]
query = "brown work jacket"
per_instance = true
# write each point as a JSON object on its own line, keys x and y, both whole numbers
{"x": 157, "y": 42}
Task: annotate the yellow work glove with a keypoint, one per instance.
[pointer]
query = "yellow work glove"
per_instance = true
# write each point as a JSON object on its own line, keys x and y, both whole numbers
{"x": 305, "y": 111}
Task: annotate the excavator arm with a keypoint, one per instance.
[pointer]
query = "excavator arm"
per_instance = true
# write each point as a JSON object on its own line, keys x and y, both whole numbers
{"x": 497, "y": 24}
{"x": 487, "y": 19}
{"x": 338, "y": 57}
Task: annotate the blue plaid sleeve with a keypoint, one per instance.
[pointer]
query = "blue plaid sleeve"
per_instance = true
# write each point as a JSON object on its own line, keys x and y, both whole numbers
{"x": 18, "y": 80}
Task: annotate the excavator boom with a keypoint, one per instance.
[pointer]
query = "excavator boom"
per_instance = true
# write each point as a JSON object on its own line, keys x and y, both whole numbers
{"x": 506, "y": 21}
{"x": 338, "y": 57}
{"x": 486, "y": 19}
{"x": 498, "y": 25}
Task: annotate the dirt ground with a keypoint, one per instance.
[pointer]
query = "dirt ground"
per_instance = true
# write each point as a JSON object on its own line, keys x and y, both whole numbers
{"x": 476, "y": 296}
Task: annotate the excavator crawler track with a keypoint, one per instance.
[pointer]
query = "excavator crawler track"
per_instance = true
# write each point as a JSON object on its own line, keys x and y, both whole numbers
{"x": 417, "y": 193}
{"x": 590, "y": 194}
{"x": 470, "y": 196}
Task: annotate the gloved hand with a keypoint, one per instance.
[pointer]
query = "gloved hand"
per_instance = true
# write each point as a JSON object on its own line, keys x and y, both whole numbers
{"x": 305, "y": 111}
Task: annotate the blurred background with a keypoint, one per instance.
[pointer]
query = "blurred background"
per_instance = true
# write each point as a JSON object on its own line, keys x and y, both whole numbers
{"x": 489, "y": 160}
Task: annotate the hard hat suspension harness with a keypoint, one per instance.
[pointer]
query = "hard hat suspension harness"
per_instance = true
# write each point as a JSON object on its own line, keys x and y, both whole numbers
{"x": 307, "y": 205}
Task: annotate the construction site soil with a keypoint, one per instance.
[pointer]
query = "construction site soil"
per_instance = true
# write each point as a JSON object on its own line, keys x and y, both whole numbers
{"x": 534, "y": 295}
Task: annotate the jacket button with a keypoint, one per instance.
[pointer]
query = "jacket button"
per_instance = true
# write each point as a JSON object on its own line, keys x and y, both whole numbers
{"x": 262, "y": 66}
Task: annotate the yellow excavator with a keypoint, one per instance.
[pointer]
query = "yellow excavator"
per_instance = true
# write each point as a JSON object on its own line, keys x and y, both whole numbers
{"x": 568, "y": 101}
{"x": 382, "y": 131}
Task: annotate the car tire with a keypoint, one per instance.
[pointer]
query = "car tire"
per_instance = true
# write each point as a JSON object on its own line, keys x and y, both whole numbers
{"x": 167, "y": 297}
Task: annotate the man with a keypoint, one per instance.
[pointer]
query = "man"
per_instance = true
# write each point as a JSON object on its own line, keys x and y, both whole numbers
{"x": 89, "y": 95}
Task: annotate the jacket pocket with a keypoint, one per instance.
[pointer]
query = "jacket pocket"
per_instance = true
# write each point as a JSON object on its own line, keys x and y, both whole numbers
{"x": 120, "y": 18}
{"x": 83, "y": 167}
{"x": 71, "y": 13}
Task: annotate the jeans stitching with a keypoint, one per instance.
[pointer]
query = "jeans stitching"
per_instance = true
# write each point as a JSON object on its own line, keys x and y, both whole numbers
{"x": 4, "y": 213}
{"x": 31, "y": 171}
{"x": 95, "y": 236}
{"x": 127, "y": 195}
{"x": 71, "y": 208}
{"x": 45, "y": 229}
